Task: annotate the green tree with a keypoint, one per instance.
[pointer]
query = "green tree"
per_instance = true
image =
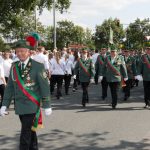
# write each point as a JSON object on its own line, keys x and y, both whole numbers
{"x": 2, "y": 45}
{"x": 136, "y": 32}
{"x": 88, "y": 40}
{"x": 64, "y": 33}
{"x": 102, "y": 33}
{"x": 11, "y": 9}
{"x": 25, "y": 25}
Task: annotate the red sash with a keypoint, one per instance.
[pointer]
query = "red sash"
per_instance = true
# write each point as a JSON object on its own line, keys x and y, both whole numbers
{"x": 84, "y": 68}
{"x": 113, "y": 68}
{"x": 100, "y": 61}
{"x": 116, "y": 71}
{"x": 37, "y": 123}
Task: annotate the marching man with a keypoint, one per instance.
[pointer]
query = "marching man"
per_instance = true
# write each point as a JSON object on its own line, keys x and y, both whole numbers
{"x": 28, "y": 84}
{"x": 86, "y": 74}
{"x": 115, "y": 70}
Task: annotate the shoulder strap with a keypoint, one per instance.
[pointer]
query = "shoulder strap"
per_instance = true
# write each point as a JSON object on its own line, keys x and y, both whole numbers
{"x": 112, "y": 67}
{"x": 84, "y": 67}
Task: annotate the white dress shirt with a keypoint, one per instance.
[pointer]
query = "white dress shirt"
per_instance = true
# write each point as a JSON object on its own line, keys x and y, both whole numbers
{"x": 41, "y": 58}
{"x": 94, "y": 57}
{"x": 58, "y": 69}
{"x": 68, "y": 67}
{"x": 1, "y": 73}
{"x": 7, "y": 65}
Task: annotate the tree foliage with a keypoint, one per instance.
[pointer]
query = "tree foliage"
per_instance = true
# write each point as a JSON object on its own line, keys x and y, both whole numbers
{"x": 25, "y": 25}
{"x": 2, "y": 45}
{"x": 10, "y": 9}
{"x": 136, "y": 32}
{"x": 102, "y": 33}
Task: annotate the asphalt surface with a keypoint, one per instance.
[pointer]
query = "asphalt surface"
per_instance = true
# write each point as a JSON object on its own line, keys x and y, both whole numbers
{"x": 96, "y": 127}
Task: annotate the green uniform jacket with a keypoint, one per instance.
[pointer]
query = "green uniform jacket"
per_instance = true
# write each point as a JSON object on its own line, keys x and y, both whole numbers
{"x": 37, "y": 82}
{"x": 112, "y": 76}
{"x": 138, "y": 62}
{"x": 145, "y": 67}
{"x": 131, "y": 67}
{"x": 83, "y": 76}
{"x": 99, "y": 64}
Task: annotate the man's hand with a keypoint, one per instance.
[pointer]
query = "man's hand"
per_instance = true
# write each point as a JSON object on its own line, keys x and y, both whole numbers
{"x": 92, "y": 80}
{"x": 3, "y": 111}
{"x": 74, "y": 77}
{"x": 125, "y": 79}
{"x": 139, "y": 77}
{"x": 48, "y": 111}
{"x": 100, "y": 78}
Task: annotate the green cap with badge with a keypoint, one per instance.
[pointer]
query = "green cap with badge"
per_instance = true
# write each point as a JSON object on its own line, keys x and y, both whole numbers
{"x": 103, "y": 46}
{"x": 113, "y": 47}
{"x": 85, "y": 50}
{"x": 22, "y": 44}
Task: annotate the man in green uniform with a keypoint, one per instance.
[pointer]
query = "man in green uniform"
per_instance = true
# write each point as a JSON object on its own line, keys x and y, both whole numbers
{"x": 145, "y": 71}
{"x": 138, "y": 61}
{"x": 86, "y": 74}
{"x": 98, "y": 67}
{"x": 28, "y": 85}
{"x": 115, "y": 70}
{"x": 131, "y": 71}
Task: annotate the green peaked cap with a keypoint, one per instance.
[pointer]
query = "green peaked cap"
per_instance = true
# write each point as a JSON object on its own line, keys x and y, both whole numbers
{"x": 113, "y": 47}
{"x": 85, "y": 49}
{"x": 22, "y": 44}
{"x": 104, "y": 46}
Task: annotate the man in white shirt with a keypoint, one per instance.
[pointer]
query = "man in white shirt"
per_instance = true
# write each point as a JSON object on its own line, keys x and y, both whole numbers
{"x": 7, "y": 64}
{"x": 2, "y": 83}
{"x": 94, "y": 58}
{"x": 41, "y": 58}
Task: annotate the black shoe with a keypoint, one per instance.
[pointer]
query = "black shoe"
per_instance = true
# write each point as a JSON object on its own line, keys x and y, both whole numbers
{"x": 73, "y": 90}
{"x": 87, "y": 101}
{"x": 125, "y": 98}
{"x": 113, "y": 106}
{"x": 146, "y": 106}
{"x": 83, "y": 105}
{"x": 103, "y": 97}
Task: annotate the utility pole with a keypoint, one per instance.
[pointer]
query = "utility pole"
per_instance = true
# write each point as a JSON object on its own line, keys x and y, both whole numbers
{"x": 35, "y": 20}
{"x": 54, "y": 22}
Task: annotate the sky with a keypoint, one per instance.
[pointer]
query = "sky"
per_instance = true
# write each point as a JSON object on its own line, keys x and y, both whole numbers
{"x": 89, "y": 13}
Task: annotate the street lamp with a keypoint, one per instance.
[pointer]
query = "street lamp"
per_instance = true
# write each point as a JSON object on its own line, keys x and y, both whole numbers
{"x": 35, "y": 20}
{"x": 54, "y": 22}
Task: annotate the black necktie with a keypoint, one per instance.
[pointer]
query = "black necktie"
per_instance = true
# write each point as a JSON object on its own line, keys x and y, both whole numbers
{"x": 22, "y": 66}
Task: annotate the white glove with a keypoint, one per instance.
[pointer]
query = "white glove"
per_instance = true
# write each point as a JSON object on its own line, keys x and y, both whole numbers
{"x": 74, "y": 77}
{"x": 100, "y": 78}
{"x": 125, "y": 79}
{"x": 135, "y": 77}
{"x": 139, "y": 77}
{"x": 3, "y": 111}
{"x": 91, "y": 80}
{"x": 48, "y": 111}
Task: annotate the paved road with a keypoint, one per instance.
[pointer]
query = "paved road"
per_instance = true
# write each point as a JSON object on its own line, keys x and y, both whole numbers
{"x": 96, "y": 127}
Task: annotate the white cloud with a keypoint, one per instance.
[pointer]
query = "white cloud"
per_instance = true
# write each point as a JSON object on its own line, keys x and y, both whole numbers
{"x": 89, "y": 12}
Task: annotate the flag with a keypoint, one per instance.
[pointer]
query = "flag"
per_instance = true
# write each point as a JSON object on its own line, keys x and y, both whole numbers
{"x": 147, "y": 38}
{"x": 111, "y": 36}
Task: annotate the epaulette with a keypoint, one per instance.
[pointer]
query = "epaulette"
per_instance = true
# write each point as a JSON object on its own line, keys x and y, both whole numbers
{"x": 14, "y": 63}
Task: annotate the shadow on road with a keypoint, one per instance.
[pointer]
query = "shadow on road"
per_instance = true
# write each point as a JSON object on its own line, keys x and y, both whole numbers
{"x": 61, "y": 140}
